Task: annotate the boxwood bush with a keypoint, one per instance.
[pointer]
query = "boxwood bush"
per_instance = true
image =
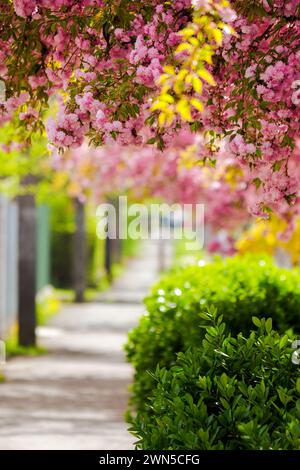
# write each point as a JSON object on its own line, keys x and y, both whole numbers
{"x": 240, "y": 287}
{"x": 229, "y": 393}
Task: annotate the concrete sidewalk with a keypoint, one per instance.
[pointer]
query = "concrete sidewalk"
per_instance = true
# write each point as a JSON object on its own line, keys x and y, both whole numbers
{"x": 75, "y": 396}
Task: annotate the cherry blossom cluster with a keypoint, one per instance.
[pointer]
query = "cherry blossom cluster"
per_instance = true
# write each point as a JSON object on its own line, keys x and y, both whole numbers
{"x": 104, "y": 58}
{"x": 145, "y": 172}
{"x": 255, "y": 107}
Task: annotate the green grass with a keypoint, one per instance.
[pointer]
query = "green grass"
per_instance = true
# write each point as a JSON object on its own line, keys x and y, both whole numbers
{"x": 91, "y": 293}
{"x": 130, "y": 247}
{"x": 47, "y": 305}
{"x": 13, "y": 349}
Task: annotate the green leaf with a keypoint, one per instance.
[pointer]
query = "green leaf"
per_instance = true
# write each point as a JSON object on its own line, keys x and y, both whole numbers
{"x": 257, "y": 182}
{"x": 205, "y": 316}
{"x": 224, "y": 380}
{"x": 195, "y": 126}
{"x": 269, "y": 325}
{"x": 256, "y": 321}
{"x": 298, "y": 385}
{"x": 224, "y": 403}
{"x": 283, "y": 341}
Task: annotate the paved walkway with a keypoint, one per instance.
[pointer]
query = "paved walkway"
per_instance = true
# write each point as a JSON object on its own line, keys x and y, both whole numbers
{"x": 75, "y": 396}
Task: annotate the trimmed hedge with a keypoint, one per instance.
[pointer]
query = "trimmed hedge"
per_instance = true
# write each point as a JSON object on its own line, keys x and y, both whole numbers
{"x": 229, "y": 393}
{"x": 240, "y": 287}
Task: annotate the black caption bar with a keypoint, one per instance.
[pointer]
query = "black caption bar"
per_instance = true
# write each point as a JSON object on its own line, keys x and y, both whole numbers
{"x": 145, "y": 459}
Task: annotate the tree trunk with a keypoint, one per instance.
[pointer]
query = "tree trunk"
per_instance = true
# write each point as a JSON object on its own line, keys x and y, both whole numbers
{"x": 27, "y": 270}
{"x": 108, "y": 258}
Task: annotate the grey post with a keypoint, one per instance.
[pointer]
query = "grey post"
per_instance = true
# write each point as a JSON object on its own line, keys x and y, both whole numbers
{"x": 27, "y": 269}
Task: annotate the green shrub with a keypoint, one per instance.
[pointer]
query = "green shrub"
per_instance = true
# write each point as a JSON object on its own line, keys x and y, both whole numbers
{"x": 240, "y": 287}
{"x": 229, "y": 393}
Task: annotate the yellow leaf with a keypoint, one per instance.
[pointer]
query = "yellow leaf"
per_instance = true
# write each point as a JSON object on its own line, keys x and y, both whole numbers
{"x": 182, "y": 74}
{"x": 163, "y": 78}
{"x": 169, "y": 69}
{"x": 200, "y": 36}
{"x": 197, "y": 104}
{"x": 225, "y": 4}
{"x": 207, "y": 76}
{"x": 167, "y": 98}
{"x": 197, "y": 85}
{"x": 184, "y": 109}
{"x": 159, "y": 105}
{"x": 217, "y": 34}
{"x": 189, "y": 78}
{"x": 178, "y": 87}
{"x": 204, "y": 20}
{"x": 161, "y": 119}
{"x": 183, "y": 47}
{"x": 205, "y": 54}
{"x": 194, "y": 42}
{"x": 187, "y": 32}
{"x": 170, "y": 118}
{"x": 165, "y": 89}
